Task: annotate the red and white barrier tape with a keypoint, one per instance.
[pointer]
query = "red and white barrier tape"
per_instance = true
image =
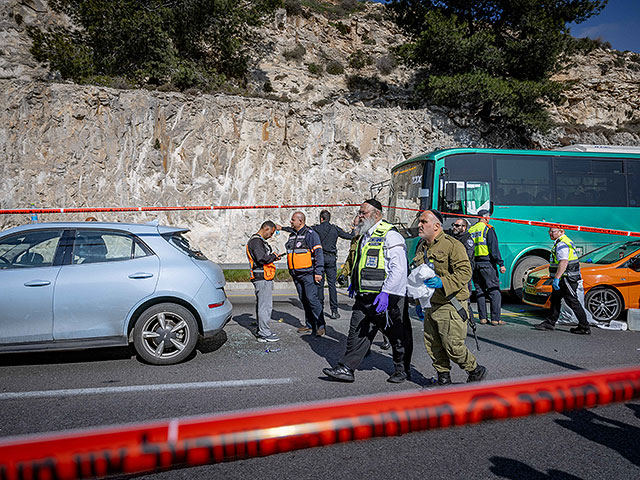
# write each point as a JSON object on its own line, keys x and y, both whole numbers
{"x": 29, "y": 211}
{"x": 132, "y": 449}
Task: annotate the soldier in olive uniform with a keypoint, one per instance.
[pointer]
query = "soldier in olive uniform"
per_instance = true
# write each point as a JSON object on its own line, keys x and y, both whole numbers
{"x": 444, "y": 328}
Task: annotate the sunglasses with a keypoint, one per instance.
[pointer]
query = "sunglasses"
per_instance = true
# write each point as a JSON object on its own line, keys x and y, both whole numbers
{"x": 458, "y": 225}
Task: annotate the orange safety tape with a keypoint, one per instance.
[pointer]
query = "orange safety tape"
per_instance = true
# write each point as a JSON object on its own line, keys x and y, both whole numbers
{"x": 27, "y": 211}
{"x": 132, "y": 449}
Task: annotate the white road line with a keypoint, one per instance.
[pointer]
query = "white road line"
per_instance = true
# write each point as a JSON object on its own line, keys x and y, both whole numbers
{"x": 144, "y": 388}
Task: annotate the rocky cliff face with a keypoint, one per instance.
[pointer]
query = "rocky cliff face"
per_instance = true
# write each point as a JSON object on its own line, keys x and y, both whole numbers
{"x": 65, "y": 145}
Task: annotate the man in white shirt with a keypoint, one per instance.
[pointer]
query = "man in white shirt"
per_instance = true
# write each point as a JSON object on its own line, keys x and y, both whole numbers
{"x": 379, "y": 284}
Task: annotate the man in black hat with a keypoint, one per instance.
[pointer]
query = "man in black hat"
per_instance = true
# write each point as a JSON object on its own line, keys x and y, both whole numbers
{"x": 485, "y": 271}
{"x": 379, "y": 283}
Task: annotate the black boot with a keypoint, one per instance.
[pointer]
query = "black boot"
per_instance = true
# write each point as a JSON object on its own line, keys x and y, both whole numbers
{"x": 444, "y": 378}
{"x": 398, "y": 377}
{"x": 340, "y": 372}
{"x": 477, "y": 374}
{"x": 580, "y": 330}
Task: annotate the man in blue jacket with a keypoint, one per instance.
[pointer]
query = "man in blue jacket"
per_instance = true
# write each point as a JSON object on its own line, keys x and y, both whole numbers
{"x": 306, "y": 265}
{"x": 329, "y": 234}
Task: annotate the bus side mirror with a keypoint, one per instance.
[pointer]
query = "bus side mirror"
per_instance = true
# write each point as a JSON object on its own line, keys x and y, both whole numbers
{"x": 450, "y": 191}
{"x": 491, "y": 208}
{"x": 634, "y": 264}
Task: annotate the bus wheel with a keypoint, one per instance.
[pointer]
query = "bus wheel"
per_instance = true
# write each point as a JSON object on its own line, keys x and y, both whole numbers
{"x": 605, "y": 304}
{"x": 520, "y": 272}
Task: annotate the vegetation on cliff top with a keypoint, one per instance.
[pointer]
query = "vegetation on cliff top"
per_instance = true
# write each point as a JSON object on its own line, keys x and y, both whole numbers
{"x": 176, "y": 43}
{"x": 492, "y": 58}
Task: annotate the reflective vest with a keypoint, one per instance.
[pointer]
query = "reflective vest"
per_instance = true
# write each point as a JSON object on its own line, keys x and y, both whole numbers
{"x": 478, "y": 233}
{"x": 369, "y": 274}
{"x": 573, "y": 268}
{"x": 268, "y": 270}
{"x": 299, "y": 251}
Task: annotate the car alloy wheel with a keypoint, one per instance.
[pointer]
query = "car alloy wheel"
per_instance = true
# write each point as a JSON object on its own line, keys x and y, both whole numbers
{"x": 605, "y": 304}
{"x": 165, "y": 334}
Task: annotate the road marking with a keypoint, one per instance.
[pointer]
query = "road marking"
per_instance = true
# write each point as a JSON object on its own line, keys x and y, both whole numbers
{"x": 144, "y": 388}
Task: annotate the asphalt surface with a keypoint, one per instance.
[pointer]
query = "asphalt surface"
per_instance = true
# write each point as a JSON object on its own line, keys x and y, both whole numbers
{"x": 61, "y": 391}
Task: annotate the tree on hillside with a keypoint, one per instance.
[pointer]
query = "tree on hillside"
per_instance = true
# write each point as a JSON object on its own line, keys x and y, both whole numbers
{"x": 492, "y": 58}
{"x": 180, "y": 43}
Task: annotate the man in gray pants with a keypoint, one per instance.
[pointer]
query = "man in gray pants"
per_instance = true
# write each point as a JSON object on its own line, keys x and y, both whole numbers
{"x": 262, "y": 272}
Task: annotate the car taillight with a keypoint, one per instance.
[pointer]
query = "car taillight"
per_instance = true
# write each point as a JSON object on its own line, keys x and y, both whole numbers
{"x": 214, "y": 305}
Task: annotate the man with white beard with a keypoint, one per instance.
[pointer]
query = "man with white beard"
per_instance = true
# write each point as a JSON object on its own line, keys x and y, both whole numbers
{"x": 379, "y": 283}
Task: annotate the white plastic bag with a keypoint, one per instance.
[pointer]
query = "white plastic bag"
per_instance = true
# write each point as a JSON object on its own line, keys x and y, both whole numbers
{"x": 416, "y": 287}
{"x": 567, "y": 317}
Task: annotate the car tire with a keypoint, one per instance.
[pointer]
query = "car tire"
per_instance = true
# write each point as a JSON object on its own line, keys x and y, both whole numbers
{"x": 604, "y": 304}
{"x": 520, "y": 272}
{"x": 165, "y": 334}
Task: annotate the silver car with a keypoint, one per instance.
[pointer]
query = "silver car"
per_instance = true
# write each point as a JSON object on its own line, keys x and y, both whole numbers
{"x": 81, "y": 285}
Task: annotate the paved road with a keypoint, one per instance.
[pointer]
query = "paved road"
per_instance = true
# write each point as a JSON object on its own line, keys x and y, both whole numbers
{"x": 51, "y": 392}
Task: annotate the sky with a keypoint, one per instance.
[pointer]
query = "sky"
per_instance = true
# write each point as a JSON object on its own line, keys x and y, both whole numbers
{"x": 618, "y": 24}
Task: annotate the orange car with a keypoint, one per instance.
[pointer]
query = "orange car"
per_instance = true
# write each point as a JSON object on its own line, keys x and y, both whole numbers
{"x": 611, "y": 276}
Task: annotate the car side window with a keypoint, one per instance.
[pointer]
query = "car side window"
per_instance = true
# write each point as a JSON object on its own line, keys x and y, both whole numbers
{"x": 101, "y": 246}
{"x": 29, "y": 249}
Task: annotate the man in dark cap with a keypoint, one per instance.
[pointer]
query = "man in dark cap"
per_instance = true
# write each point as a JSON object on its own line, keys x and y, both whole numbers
{"x": 379, "y": 283}
{"x": 445, "y": 327}
{"x": 485, "y": 271}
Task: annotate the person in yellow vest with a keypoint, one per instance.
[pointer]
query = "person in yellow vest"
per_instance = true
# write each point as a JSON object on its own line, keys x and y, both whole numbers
{"x": 445, "y": 322}
{"x": 262, "y": 271}
{"x": 564, "y": 268}
{"x": 379, "y": 284}
{"x": 487, "y": 261}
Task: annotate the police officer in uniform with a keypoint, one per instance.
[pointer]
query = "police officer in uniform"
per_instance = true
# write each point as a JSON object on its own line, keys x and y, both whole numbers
{"x": 445, "y": 324}
{"x": 379, "y": 283}
{"x": 564, "y": 268}
{"x": 329, "y": 235}
{"x": 460, "y": 233}
{"x": 306, "y": 263}
{"x": 485, "y": 276}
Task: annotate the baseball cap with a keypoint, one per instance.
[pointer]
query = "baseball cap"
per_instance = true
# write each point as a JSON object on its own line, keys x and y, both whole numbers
{"x": 483, "y": 213}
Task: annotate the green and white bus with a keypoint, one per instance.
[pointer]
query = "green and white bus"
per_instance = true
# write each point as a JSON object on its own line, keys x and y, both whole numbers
{"x": 582, "y": 185}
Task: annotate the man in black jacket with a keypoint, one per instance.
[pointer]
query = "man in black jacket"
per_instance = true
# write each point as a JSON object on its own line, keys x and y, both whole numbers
{"x": 329, "y": 234}
{"x": 460, "y": 233}
{"x": 262, "y": 272}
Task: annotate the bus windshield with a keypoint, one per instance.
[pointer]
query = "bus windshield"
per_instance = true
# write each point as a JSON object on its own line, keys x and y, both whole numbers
{"x": 410, "y": 191}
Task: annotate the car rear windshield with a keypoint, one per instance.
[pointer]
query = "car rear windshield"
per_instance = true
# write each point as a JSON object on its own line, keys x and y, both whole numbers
{"x": 179, "y": 241}
{"x": 610, "y": 253}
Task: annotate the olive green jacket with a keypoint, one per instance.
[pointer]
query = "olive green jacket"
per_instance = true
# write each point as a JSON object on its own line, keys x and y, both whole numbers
{"x": 347, "y": 268}
{"x": 451, "y": 264}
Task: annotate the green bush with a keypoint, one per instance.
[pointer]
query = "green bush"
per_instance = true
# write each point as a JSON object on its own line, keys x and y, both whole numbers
{"x": 242, "y": 275}
{"x": 359, "y": 59}
{"x": 314, "y": 69}
{"x": 494, "y": 60}
{"x": 334, "y": 67}
{"x": 341, "y": 27}
{"x": 184, "y": 43}
{"x": 296, "y": 53}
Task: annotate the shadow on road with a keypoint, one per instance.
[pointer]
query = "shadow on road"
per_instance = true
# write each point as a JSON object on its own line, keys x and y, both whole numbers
{"x": 76, "y": 356}
{"x": 527, "y": 353}
{"x": 613, "y": 434}
{"x": 516, "y": 470}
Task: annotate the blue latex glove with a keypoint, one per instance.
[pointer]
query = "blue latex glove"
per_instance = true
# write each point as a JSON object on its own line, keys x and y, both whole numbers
{"x": 351, "y": 291}
{"x": 433, "y": 282}
{"x": 419, "y": 312}
{"x": 556, "y": 284}
{"x": 381, "y": 302}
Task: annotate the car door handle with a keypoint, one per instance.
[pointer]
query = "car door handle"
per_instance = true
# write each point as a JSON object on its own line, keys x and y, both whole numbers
{"x": 141, "y": 275}
{"x": 37, "y": 283}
